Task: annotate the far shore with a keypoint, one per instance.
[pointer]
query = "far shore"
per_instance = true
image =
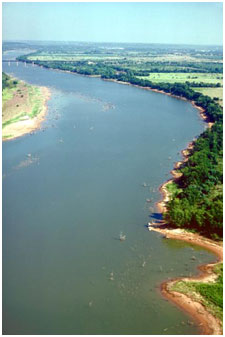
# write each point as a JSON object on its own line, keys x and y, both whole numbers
{"x": 206, "y": 321}
{"x": 200, "y": 109}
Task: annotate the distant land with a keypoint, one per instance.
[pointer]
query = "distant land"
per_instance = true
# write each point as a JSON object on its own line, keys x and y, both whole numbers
{"x": 192, "y": 205}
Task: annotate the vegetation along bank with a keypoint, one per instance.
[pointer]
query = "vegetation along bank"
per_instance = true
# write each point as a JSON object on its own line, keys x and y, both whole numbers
{"x": 194, "y": 199}
{"x": 196, "y": 202}
{"x": 23, "y": 107}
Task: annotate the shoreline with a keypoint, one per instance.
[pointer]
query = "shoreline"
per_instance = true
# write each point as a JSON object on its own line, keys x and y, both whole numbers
{"x": 207, "y": 322}
{"x": 200, "y": 109}
{"x": 26, "y": 126}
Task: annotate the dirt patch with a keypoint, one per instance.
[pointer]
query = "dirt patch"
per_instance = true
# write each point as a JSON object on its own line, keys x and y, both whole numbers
{"x": 25, "y": 111}
{"x": 208, "y": 324}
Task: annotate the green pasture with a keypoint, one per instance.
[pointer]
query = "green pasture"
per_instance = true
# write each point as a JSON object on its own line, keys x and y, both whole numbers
{"x": 175, "y": 57}
{"x": 212, "y": 92}
{"x": 183, "y": 77}
{"x": 72, "y": 57}
{"x": 115, "y": 55}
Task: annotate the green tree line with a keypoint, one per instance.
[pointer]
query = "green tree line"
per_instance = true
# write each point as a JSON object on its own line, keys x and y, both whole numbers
{"x": 198, "y": 204}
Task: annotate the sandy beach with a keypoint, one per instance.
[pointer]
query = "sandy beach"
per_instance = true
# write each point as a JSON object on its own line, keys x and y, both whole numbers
{"x": 28, "y": 124}
{"x": 206, "y": 321}
{"x": 208, "y": 324}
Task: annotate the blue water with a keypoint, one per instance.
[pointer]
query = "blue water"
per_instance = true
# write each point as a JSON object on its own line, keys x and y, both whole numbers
{"x": 65, "y": 271}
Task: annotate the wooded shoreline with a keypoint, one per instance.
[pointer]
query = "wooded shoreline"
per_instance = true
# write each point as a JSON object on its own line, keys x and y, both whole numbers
{"x": 210, "y": 322}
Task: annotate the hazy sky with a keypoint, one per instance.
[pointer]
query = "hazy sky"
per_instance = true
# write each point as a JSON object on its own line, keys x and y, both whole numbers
{"x": 148, "y": 22}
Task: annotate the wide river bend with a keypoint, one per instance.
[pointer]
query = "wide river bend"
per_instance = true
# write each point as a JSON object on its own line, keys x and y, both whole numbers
{"x": 70, "y": 188}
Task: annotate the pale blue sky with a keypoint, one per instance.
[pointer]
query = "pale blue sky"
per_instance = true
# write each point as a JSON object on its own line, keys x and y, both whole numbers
{"x": 147, "y": 22}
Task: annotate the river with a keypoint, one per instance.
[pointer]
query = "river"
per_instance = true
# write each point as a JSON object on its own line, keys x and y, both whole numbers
{"x": 70, "y": 188}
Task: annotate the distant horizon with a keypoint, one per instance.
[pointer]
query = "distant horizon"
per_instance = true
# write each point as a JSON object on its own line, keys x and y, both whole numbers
{"x": 115, "y": 42}
{"x": 188, "y": 23}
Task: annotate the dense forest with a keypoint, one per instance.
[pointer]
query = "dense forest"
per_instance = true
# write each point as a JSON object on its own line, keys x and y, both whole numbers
{"x": 197, "y": 203}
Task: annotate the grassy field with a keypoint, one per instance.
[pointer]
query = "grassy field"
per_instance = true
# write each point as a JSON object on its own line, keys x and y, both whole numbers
{"x": 209, "y": 294}
{"x": 20, "y": 102}
{"x": 179, "y": 58}
{"x": 131, "y": 55}
{"x": 212, "y": 92}
{"x": 72, "y": 57}
{"x": 183, "y": 77}
{"x": 17, "y": 101}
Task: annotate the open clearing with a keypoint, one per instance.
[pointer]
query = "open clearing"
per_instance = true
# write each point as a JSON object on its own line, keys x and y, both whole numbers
{"x": 212, "y": 92}
{"x": 21, "y": 103}
{"x": 183, "y": 77}
{"x": 71, "y": 57}
{"x": 131, "y": 56}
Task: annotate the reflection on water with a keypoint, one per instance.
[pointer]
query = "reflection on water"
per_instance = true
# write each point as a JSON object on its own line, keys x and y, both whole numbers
{"x": 70, "y": 189}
